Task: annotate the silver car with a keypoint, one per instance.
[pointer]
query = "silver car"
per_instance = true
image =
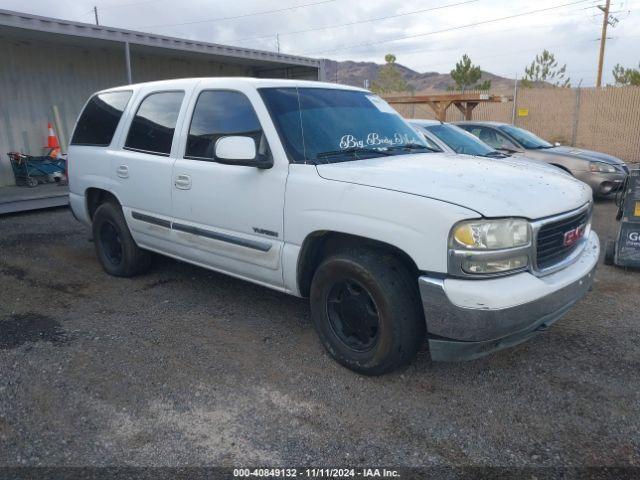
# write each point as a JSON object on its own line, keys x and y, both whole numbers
{"x": 452, "y": 139}
{"x": 603, "y": 173}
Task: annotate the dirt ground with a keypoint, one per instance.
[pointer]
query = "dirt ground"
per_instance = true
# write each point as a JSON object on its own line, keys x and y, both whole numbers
{"x": 183, "y": 366}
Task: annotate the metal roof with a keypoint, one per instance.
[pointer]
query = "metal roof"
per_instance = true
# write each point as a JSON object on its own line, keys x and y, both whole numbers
{"x": 36, "y": 23}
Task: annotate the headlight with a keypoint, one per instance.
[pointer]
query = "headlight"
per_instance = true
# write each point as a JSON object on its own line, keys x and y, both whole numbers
{"x": 491, "y": 234}
{"x": 601, "y": 167}
{"x": 489, "y": 247}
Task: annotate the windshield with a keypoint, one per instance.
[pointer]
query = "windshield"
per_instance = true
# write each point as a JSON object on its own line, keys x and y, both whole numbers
{"x": 326, "y": 125}
{"x": 460, "y": 141}
{"x": 525, "y": 138}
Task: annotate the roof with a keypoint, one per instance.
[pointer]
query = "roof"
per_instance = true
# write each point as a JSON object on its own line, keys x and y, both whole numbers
{"x": 47, "y": 25}
{"x": 480, "y": 122}
{"x": 224, "y": 82}
{"x": 423, "y": 122}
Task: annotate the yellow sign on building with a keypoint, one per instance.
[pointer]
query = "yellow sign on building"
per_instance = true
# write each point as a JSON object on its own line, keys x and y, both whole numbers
{"x": 523, "y": 112}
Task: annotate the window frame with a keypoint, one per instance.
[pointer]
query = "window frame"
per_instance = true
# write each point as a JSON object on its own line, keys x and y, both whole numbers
{"x": 175, "y": 129}
{"x": 193, "y": 111}
{"x": 122, "y": 115}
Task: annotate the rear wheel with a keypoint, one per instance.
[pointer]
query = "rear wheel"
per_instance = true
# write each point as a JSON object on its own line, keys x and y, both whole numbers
{"x": 115, "y": 247}
{"x": 610, "y": 252}
{"x": 366, "y": 310}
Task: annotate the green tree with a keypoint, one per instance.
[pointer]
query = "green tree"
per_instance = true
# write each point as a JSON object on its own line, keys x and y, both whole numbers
{"x": 545, "y": 69}
{"x": 466, "y": 74}
{"x": 626, "y": 76}
{"x": 389, "y": 78}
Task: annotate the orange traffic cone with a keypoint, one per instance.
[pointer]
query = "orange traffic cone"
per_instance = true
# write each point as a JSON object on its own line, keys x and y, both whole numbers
{"x": 52, "y": 142}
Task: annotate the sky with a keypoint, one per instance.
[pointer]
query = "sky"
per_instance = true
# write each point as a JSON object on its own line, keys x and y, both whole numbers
{"x": 425, "y": 35}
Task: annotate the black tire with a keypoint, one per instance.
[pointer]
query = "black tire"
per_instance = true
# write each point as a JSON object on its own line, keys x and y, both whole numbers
{"x": 115, "y": 247}
{"x": 610, "y": 252}
{"x": 341, "y": 281}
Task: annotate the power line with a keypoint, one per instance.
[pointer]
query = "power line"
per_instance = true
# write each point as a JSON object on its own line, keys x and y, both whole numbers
{"x": 357, "y": 22}
{"x": 124, "y": 5}
{"x": 416, "y": 35}
{"x": 577, "y": 11}
{"x": 244, "y": 15}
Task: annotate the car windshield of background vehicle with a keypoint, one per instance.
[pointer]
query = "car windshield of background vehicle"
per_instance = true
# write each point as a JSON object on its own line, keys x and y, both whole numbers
{"x": 525, "y": 138}
{"x": 326, "y": 125}
{"x": 461, "y": 141}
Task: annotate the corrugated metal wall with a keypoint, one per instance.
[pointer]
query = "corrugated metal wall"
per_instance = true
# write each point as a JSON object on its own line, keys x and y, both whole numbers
{"x": 36, "y": 77}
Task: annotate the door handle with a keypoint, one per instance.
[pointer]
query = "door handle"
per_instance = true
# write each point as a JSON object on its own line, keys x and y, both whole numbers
{"x": 123, "y": 171}
{"x": 183, "y": 182}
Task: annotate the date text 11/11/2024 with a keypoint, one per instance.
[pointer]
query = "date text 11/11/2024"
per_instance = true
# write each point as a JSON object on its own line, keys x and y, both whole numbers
{"x": 316, "y": 473}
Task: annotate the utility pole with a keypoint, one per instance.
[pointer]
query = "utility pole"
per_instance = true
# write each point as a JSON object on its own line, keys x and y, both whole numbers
{"x": 278, "y": 41}
{"x": 95, "y": 14}
{"x": 603, "y": 39}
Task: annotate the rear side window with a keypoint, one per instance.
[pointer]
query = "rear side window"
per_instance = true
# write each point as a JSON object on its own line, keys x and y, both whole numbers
{"x": 153, "y": 126}
{"x": 221, "y": 113}
{"x": 100, "y": 118}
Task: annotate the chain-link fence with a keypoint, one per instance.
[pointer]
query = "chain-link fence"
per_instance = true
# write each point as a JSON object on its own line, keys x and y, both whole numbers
{"x": 605, "y": 119}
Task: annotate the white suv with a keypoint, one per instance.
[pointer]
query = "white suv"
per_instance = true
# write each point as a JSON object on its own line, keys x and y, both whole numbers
{"x": 323, "y": 191}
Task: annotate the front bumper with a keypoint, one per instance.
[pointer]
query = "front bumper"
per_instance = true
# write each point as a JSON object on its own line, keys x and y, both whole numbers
{"x": 468, "y": 319}
{"x": 602, "y": 183}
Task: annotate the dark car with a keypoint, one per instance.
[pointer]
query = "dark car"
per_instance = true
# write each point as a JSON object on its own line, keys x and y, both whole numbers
{"x": 603, "y": 173}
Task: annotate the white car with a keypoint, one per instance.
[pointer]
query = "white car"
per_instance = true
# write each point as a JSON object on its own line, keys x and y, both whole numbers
{"x": 323, "y": 191}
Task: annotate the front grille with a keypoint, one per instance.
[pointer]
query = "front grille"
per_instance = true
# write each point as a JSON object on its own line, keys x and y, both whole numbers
{"x": 550, "y": 248}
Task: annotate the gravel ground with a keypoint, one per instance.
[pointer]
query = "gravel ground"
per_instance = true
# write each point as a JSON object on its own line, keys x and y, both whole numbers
{"x": 183, "y": 366}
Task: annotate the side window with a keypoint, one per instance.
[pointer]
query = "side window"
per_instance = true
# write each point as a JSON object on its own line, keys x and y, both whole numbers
{"x": 504, "y": 142}
{"x": 155, "y": 122}
{"x": 488, "y": 136}
{"x": 222, "y": 113}
{"x": 99, "y": 119}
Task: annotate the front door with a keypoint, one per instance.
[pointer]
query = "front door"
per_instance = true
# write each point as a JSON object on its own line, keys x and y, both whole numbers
{"x": 228, "y": 217}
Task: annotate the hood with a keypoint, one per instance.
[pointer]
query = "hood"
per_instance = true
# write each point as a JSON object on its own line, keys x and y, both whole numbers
{"x": 491, "y": 187}
{"x": 585, "y": 154}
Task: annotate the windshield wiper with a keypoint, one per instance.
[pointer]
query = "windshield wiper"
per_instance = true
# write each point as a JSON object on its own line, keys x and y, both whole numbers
{"x": 412, "y": 146}
{"x": 495, "y": 154}
{"x": 352, "y": 150}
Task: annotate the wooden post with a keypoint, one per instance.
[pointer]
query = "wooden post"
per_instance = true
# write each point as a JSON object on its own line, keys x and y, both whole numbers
{"x": 440, "y": 108}
{"x": 466, "y": 108}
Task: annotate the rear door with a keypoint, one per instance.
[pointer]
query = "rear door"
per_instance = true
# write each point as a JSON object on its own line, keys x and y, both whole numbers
{"x": 229, "y": 217}
{"x": 142, "y": 167}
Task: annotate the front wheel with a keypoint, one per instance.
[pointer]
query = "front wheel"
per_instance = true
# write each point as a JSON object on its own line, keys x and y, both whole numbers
{"x": 115, "y": 247}
{"x": 366, "y": 310}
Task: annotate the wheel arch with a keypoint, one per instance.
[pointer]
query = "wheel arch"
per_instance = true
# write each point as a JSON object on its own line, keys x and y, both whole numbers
{"x": 95, "y": 197}
{"x": 317, "y": 245}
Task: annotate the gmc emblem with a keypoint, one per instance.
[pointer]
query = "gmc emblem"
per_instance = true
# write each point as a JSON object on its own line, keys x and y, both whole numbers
{"x": 572, "y": 236}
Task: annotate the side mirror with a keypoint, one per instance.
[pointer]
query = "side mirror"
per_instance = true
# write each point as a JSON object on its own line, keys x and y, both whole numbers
{"x": 237, "y": 150}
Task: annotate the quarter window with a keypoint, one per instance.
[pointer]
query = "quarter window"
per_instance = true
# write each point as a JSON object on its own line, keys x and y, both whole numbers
{"x": 222, "y": 113}
{"x": 153, "y": 126}
{"x": 99, "y": 119}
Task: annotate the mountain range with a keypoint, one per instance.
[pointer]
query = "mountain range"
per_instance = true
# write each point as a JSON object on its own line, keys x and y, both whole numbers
{"x": 356, "y": 73}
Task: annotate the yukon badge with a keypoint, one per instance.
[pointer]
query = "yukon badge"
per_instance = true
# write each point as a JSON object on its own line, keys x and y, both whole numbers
{"x": 262, "y": 231}
{"x": 572, "y": 236}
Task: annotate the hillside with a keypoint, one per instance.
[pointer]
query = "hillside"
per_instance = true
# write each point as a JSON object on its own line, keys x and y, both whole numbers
{"x": 355, "y": 73}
